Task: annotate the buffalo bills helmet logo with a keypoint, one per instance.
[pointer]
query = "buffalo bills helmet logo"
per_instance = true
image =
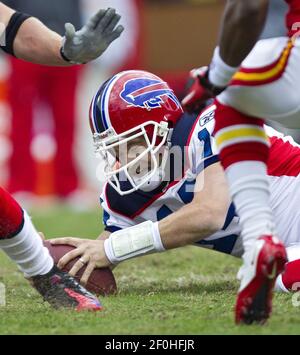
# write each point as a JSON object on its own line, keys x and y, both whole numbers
{"x": 147, "y": 93}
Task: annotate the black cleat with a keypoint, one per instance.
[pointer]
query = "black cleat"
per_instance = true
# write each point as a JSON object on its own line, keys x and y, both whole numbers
{"x": 61, "y": 290}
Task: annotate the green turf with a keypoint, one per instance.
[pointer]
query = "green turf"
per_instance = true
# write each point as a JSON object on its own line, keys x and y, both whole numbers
{"x": 188, "y": 291}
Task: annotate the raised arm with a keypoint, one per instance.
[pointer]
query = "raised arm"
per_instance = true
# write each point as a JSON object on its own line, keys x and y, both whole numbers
{"x": 28, "y": 39}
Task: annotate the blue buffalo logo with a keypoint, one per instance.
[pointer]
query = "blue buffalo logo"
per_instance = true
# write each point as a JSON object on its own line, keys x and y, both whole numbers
{"x": 147, "y": 93}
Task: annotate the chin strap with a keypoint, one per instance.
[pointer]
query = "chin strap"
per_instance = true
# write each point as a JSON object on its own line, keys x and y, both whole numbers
{"x": 169, "y": 137}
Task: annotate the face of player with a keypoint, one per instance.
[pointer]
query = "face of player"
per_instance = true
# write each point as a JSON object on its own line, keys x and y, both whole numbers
{"x": 127, "y": 153}
{"x": 135, "y": 159}
{"x": 139, "y": 165}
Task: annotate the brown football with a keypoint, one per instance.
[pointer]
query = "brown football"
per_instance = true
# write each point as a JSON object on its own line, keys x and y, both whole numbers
{"x": 101, "y": 282}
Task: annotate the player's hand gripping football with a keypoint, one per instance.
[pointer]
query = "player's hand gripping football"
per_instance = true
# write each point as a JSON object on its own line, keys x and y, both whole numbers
{"x": 200, "y": 91}
{"x": 93, "y": 39}
{"x": 90, "y": 252}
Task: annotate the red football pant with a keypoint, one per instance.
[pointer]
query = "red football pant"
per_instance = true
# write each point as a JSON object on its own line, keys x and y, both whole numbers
{"x": 57, "y": 87}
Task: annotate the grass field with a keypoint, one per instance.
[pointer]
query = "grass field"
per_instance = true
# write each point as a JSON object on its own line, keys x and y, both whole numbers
{"x": 188, "y": 291}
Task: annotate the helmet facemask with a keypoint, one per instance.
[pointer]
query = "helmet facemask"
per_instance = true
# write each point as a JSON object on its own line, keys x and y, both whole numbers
{"x": 134, "y": 157}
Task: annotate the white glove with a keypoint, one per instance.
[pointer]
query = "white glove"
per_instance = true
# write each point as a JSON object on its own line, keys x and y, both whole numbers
{"x": 93, "y": 39}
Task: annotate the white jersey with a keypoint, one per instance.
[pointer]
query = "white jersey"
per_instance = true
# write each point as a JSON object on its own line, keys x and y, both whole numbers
{"x": 195, "y": 137}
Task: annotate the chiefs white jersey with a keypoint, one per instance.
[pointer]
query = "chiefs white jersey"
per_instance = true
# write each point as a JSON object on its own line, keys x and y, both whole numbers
{"x": 194, "y": 136}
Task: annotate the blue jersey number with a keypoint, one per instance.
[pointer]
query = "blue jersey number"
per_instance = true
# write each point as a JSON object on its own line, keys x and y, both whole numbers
{"x": 204, "y": 137}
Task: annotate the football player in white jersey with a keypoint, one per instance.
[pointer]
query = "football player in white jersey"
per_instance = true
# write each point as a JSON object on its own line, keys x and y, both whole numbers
{"x": 166, "y": 187}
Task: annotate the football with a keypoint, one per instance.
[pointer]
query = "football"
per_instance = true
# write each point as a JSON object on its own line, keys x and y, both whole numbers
{"x": 101, "y": 282}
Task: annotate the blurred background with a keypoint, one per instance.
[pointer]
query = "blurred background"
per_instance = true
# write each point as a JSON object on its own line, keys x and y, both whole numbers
{"x": 46, "y": 152}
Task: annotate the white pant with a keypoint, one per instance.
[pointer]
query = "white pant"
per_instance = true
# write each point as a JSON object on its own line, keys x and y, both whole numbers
{"x": 277, "y": 101}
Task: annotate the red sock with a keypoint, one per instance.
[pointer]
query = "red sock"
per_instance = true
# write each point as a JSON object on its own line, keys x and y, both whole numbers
{"x": 239, "y": 137}
{"x": 244, "y": 152}
{"x": 11, "y": 216}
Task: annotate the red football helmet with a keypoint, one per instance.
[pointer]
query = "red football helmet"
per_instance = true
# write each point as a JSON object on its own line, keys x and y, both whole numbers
{"x": 130, "y": 105}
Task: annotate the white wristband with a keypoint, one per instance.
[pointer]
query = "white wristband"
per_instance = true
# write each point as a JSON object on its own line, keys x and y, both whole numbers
{"x": 220, "y": 74}
{"x": 109, "y": 252}
{"x": 132, "y": 242}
